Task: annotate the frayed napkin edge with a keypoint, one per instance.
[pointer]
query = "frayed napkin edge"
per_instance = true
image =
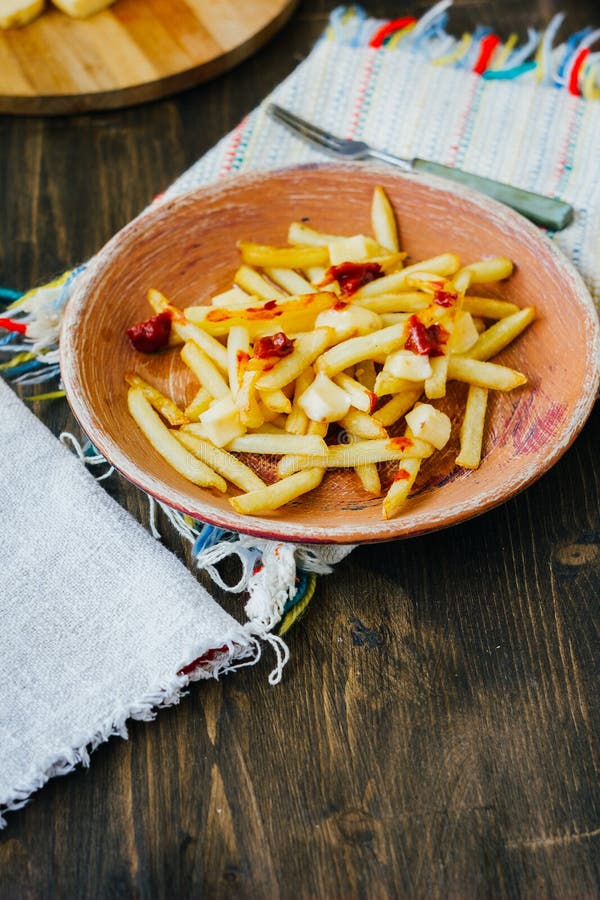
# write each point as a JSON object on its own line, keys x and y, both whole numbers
{"x": 239, "y": 649}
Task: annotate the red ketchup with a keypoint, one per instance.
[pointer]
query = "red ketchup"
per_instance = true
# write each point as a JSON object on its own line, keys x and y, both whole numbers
{"x": 401, "y": 475}
{"x": 401, "y": 443}
{"x": 425, "y": 340}
{"x": 445, "y": 298}
{"x": 351, "y": 276}
{"x": 273, "y": 345}
{"x": 151, "y": 335}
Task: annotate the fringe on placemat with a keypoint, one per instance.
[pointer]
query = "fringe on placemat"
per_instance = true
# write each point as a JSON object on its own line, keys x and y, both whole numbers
{"x": 570, "y": 66}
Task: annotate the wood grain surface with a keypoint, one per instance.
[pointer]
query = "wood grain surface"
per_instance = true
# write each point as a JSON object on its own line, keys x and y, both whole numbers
{"x": 436, "y": 731}
{"x": 132, "y": 52}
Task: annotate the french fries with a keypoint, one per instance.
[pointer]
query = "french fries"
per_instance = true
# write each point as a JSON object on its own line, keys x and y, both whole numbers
{"x": 471, "y": 432}
{"x": 168, "y": 446}
{"x": 330, "y": 332}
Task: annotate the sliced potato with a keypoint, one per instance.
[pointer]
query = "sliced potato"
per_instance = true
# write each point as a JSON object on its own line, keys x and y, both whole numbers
{"x": 274, "y": 496}
{"x": 167, "y": 445}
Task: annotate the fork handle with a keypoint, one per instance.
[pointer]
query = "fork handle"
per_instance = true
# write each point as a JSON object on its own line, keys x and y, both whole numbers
{"x": 545, "y": 211}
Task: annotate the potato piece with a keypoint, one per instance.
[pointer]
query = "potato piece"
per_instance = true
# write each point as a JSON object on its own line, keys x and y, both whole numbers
{"x": 238, "y": 354}
{"x": 349, "y": 321}
{"x": 445, "y": 264}
{"x": 199, "y": 402}
{"x": 16, "y": 13}
{"x": 251, "y": 281}
{"x": 358, "y": 453}
{"x": 163, "y": 405}
{"x": 485, "y": 374}
{"x": 221, "y": 422}
{"x": 290, "y": 315}
{"x": 500, "y": 334}
{"x": 265, "y": 256}
{"x": 397, "y": 407}
{"x": 400, "y": 488}
{"x": 168, "y": 446}
{"x": 282, "y": 443}
{"x": 471, "y": 432}
{"x": 81, "y": 9}
{"x": 354, "y": 350}
{"x": 362, "y": 425}
{"x": 224, "y": 463}
{"x": 276, "y": 495}
{"x": 324, "y": 401}
{"x": 369, "y": 478}
{"x": 487, "y": 307}
{"x": 204, "y": 370}
{"x": 297, "y": 421}
{"x": 360, "y": 397}
{"x": 307, "y": 347}
{"x": 429, "y": 424}
{"x": 289, "y": 280}
{"x": 383, "y": 220}
{"x": 493, "y": 269}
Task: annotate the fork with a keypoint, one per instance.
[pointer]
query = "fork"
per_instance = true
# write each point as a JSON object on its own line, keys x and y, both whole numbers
{"x": 545, "y": 211}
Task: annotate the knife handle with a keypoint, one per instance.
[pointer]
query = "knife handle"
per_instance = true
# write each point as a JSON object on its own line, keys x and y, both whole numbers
{"x": 553, "y": 214}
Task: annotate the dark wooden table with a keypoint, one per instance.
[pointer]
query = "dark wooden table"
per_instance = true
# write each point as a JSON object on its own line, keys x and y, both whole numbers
{"x": 436, "y": 730}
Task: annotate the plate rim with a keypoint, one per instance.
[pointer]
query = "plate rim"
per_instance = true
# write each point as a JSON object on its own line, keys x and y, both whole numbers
{"x": 382, "y": 530}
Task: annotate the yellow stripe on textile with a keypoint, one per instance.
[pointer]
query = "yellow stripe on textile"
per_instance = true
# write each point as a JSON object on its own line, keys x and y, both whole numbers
{"x": 504, "y": 52}
{"x": 398, "y": 35}
{"x": 17, "y": 360}
{"x": 53, "y": 395}
{"x": 57, "y": 282}
{"x": 458, "y": 52}
{"x": 297, "y": 610}
{"x": 539, "y": 59}
{"x": 589, "y": 89}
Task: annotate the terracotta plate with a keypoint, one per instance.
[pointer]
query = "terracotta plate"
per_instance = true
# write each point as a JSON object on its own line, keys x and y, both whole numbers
{"x": 187, "y": 249}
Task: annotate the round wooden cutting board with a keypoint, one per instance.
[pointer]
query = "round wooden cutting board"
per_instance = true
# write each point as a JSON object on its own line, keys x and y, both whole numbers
{"x": 134, "y": 51}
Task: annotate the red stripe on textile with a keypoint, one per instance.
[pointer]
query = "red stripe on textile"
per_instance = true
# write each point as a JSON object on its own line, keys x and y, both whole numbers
{"x": 486, "y": 48}
{"x": 207, "y": 657}
{"x": 574, "y": 78}
{"x": 362, "y": 90}
{"x": 10, "y": 325}
{"x": 233, "y": 147}
{"x": 389, "y": 28}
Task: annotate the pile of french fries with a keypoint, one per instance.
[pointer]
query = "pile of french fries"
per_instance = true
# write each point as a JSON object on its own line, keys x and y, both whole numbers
{"x": 296, "y": 352}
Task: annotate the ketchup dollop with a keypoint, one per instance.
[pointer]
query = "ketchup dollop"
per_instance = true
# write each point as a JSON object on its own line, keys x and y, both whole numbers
{"x": 425, "y": 340}
{"x": 351, "y": 276}
{"x": 445, "y": 298}
{"x": 401, "y": 475}
{"x": 273, "y": 345}
{"x": 151, "y": 335}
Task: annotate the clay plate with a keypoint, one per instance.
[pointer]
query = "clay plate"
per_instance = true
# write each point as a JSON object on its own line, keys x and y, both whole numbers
{"x": 187, "y": 249}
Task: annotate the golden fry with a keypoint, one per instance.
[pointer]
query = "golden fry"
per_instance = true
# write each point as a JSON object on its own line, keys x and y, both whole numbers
{"x": 164, "y": 405}
{"x": 168, "y": 446}
{"x": 227, "y": 465}
{"x": 501, "y": 333}
{"x": 383, "y": 220}
{"x": 471, "y": 432}
{"x": 278, "y": 494}
{"x": 369, "y": 478}
{"x": 264, "y": 256}
{"x": 485, "y": 374}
